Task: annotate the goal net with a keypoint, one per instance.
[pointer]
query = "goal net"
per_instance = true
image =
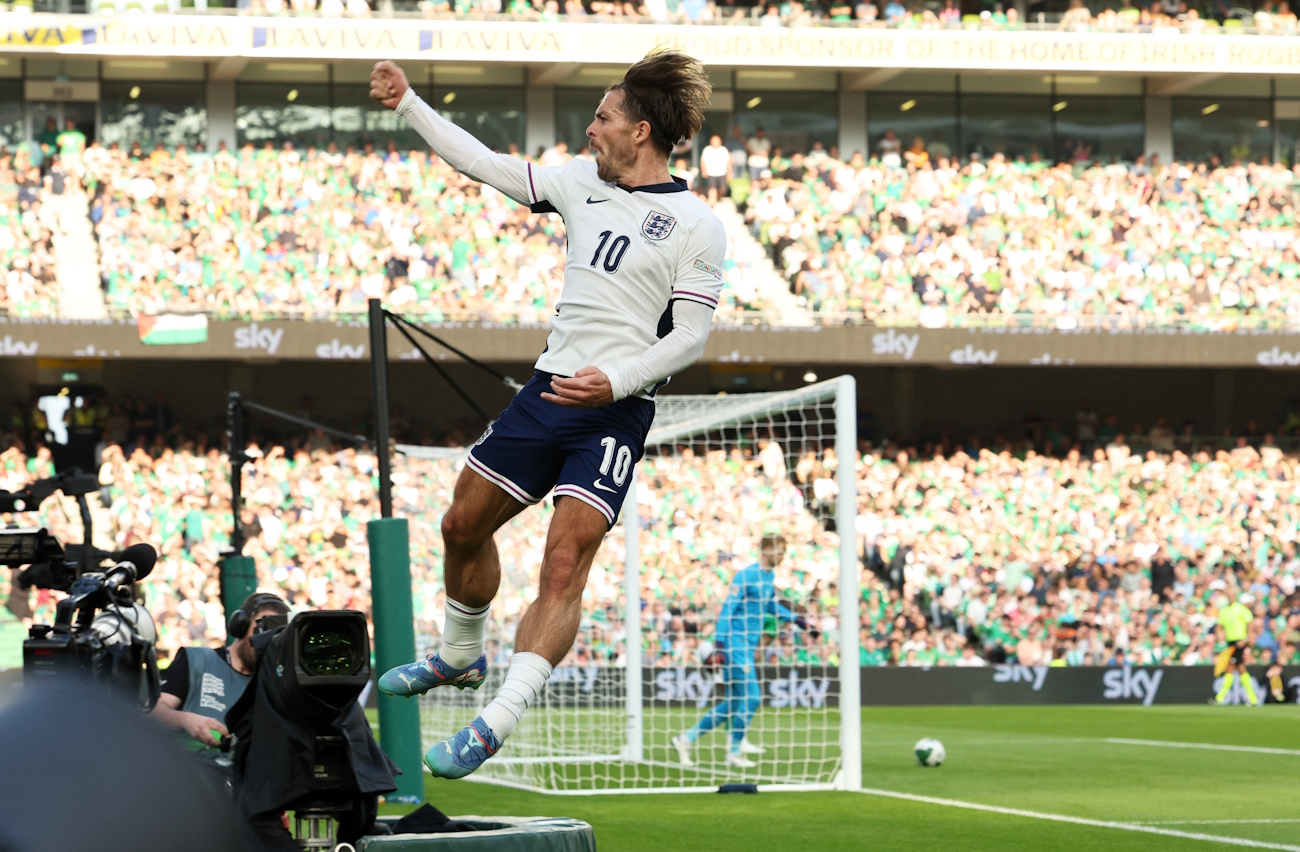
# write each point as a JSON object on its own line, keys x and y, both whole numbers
{"x": 720, "y": 472}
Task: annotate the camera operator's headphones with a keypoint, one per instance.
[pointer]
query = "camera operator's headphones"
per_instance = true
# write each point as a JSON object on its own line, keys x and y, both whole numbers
{"x": 242, "y": 619}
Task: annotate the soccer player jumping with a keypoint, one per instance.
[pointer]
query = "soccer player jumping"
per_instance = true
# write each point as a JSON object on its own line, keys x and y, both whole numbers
{"x": 641, "y": 280}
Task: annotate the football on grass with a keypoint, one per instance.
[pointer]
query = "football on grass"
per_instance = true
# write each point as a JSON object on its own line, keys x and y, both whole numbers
{"x": 929, "y": 752}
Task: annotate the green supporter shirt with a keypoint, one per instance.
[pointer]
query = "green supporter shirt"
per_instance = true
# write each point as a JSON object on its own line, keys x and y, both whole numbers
{"x": 1234, "y": 620}
{"x": 871, "y": 658}
{"x": 71, "y": 143}
{"x": 12, "y": 634}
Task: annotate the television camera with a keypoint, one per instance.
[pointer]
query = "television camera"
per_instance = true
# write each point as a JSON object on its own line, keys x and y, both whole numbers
{"x": 99, "y": 630}
{"x": 301, "y": 740}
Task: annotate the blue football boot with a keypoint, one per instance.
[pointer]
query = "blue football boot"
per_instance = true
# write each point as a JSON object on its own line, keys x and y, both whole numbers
{"x": 423, "y": 675}
{"x": 462, "y": 754}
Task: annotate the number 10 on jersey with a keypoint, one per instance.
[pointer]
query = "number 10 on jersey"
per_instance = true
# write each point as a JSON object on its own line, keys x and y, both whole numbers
{"x": 620, "y": 460}
{"x": 616, "y": 249}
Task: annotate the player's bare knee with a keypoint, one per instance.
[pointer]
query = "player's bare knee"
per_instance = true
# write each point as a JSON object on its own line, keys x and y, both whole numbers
{"x": 564, "y": 574}
{"x": 462, "y": 531}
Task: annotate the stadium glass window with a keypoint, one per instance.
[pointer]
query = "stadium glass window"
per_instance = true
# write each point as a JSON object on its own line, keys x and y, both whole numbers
{"x": 495, "y": 114}
{"x": 1225, "y": 127}
{"x": 1105, "y": 129}
{"x": 276, "y": 112}
{"x": 1288, "y": 142}
{"x": 932, "y": 117}
{"x": 151, "y": 113}
{"x": 355, "y": 120}
{"x": 574, "y": 110}
{"x": 792, "y": 120}
{"x": 1014, "y": 126}
{"x": 12, "y": 131}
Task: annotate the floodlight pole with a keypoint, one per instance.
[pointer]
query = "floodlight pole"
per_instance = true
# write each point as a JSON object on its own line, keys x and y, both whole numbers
{"x": 390, "y": 587}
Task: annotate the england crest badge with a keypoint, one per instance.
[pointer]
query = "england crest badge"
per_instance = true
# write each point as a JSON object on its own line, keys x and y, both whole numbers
{"x": 657, "y": 226}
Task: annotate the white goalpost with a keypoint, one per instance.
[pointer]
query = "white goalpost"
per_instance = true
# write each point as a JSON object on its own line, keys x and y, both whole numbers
{"x": 720, "y": 472}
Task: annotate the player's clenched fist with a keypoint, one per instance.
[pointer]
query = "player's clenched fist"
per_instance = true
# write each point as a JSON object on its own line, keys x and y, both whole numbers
{"x": 388, "y": 84}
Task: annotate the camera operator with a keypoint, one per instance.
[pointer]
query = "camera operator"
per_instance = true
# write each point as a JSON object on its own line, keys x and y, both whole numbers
{"x": 202, "y": 684}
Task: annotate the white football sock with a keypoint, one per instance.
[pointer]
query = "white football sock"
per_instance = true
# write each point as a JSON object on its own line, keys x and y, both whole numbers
{"x": 462, "y": 634}
{"x": 524, "y": 682}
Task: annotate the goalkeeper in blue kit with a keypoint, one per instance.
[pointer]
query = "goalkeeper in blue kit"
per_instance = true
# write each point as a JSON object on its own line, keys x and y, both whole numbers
{"x": 750, "y": 601}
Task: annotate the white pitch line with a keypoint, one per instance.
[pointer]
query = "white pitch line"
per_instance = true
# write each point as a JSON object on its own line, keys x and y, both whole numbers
{"x": 1211, "y": 746}
{"x": 1213, "y": 821}
{"x": 1095, "y": 823}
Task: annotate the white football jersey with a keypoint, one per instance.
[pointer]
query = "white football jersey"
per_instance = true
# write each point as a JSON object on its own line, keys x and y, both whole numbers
{"x": 631, "y": 253}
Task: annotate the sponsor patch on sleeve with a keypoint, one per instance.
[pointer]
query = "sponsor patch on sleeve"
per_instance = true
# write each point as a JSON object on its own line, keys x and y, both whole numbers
{"x": 709, "y": 269}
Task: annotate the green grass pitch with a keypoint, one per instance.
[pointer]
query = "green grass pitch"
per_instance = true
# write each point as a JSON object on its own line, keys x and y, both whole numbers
{"x": 1064, "y": 762}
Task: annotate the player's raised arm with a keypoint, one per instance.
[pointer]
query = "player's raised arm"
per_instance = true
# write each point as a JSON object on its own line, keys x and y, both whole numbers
{"x": 459, "y": 147}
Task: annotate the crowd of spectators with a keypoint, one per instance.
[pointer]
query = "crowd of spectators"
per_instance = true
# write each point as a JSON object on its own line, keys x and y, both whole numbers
{"x": 1098, "y": 554}
{"x": 917, "y": 236}
{"x": 318, "y": 232}
{"x": 28, "y": 280}
{"x": 911, "y": 235}
{"x": 1166, "y": 16}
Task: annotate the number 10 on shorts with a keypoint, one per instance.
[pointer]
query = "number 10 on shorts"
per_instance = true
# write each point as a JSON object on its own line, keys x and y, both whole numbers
{"x": 620, "y": 461}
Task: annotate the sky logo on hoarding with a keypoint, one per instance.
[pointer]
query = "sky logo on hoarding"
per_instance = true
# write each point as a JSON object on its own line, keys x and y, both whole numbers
{"x": 1275, "y": 357}
{"x": 334, "y": 351}
{"x": 1129, "y": 683}
{"x": 9, "y": 346}
{"x": 895, "y": 343}
{"x": 583, "y": 676}
{"x": 1237, "y": 695}
{"x": 794, "y": 691}
{"x": 683, "y": 685}
{"x": 252, "y": 336}
{"x": 968, "y": 354}
{"x": 1034, "y": 675}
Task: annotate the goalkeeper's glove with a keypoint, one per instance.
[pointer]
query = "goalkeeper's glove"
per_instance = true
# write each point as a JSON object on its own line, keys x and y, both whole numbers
{"x": 802, "y": 624}
{"x": 715, "y": 661}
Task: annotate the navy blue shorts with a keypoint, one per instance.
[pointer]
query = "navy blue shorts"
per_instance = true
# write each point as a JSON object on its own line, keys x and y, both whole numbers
{"x": 587, "y": 453}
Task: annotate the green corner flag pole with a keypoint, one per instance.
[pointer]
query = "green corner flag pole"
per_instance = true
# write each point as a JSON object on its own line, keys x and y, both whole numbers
{"x": 238, "y": 578}
{"x": 238, "y": 581}
{"x": 390, "y": 589}
{"x": 390, "y": 586}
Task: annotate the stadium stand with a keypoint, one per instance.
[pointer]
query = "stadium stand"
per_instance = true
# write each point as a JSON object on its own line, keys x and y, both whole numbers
{"x": 912, "y": 241}
{"x": 314, "y": 233}
{"x": 1128, "y": 17}
{"x": 1075, "y": 244}
{"x": 27, "y": 268}
{"x": 970, "y": 555}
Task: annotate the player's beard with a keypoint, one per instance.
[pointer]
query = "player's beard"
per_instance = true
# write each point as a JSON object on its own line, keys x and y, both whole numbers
{"x": 614, "y": 158}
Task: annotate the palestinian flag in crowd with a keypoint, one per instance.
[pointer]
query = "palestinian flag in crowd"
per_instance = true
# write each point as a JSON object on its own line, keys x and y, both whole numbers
{"x": 173, "y": 329}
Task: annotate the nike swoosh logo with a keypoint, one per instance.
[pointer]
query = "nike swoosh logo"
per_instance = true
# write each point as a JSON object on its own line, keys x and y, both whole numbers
{"x": 604, "y": 487}
{"x": 596, "y": 201}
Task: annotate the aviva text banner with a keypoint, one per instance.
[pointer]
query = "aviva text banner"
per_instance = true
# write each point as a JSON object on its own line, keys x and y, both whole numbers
{"x": 215, "y": 37}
